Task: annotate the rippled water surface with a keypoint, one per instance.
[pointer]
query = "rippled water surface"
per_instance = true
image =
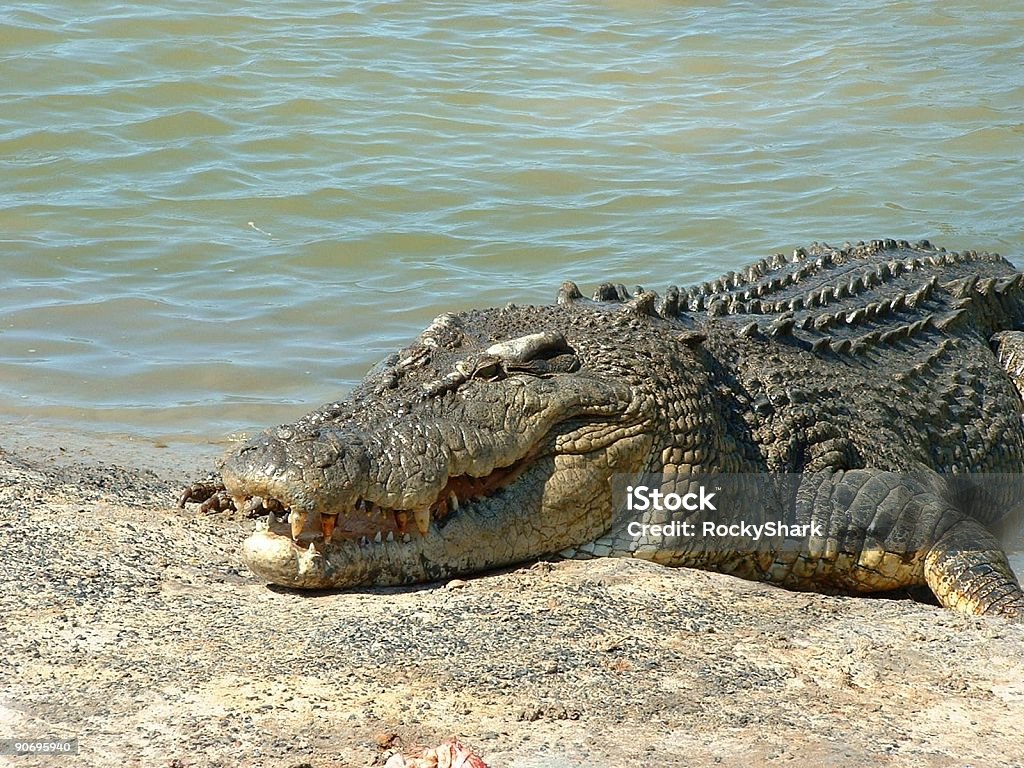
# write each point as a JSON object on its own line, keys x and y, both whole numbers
{"x": 216, "y": 216}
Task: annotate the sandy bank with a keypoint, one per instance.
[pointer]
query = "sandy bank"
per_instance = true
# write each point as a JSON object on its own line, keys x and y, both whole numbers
{"x": 134, "y": 627}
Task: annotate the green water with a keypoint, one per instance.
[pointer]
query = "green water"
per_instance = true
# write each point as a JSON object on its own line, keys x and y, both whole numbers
{"x": 216, "y": 216}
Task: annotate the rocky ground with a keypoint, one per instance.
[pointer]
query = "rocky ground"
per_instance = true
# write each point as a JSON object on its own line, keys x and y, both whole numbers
{"x": 134, "y": 627}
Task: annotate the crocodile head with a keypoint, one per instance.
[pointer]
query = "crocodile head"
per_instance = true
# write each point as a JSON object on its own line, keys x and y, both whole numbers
{"x": 490, "y": 440}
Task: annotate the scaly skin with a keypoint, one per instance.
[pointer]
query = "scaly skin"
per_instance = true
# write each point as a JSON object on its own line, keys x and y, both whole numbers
{"x": 874, "y": 373}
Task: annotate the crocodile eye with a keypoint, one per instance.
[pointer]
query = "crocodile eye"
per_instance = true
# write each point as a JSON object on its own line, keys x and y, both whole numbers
{"x": 533, "y": 346}
{"x": 490, "y": 370}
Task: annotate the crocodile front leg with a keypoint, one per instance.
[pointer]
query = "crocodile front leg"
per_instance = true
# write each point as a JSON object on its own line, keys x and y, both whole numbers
{"x": 968, "y": 572}
{"x": 887, "y": 530}
{"x": 868, "y": 530}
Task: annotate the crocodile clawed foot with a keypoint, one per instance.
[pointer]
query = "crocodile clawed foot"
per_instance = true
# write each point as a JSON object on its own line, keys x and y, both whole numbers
{"x": 209, "y": 493}
{"x": 219, "y": 502}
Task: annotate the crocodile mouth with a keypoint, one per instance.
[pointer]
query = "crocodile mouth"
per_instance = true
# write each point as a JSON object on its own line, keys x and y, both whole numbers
{"x": 369, "y": 523}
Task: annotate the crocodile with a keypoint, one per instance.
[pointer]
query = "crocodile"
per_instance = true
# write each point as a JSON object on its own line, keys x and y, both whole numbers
{"x": 875, "y": 375}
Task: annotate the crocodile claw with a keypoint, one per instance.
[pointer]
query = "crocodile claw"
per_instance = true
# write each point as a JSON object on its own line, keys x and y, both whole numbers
{"x": 210, "y": 493}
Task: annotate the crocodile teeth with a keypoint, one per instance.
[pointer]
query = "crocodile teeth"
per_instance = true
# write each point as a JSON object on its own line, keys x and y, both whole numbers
{"x": 250, "y": 505}
{"x": 378, "y": 538}
{"x": 453, "y": 502}
{"x": 422, "y": 520}
{"x": 297, "y": 520}
{"x": 391, "y": 536}
{"x": 401, "y": 521}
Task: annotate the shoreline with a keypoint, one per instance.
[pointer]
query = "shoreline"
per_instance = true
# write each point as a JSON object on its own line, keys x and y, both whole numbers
{"x": 168, "y": 455}
{"x": 133, "y": 627}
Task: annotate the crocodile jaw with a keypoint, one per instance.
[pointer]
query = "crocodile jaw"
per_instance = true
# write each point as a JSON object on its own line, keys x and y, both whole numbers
{"x": 550, "y": 506}
{"x": 336, "y": 516}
